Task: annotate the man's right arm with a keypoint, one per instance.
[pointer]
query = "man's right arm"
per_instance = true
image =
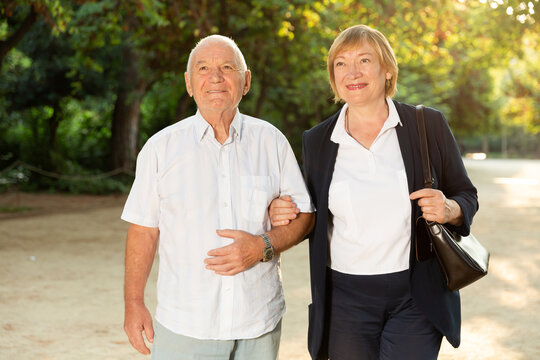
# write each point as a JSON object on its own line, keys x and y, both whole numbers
{"x": 141, "y": 244}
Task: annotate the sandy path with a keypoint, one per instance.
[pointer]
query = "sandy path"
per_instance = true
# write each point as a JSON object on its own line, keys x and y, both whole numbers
{"x": 62, "y": 269}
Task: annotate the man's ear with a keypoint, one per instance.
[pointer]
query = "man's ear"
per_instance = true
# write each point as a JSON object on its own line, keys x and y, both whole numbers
{"x": 247, "y": 82}
{"x": 188, "y": 84}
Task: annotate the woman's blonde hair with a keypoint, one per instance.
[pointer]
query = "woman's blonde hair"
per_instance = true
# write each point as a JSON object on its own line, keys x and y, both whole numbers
{"x": 355, "y": 36}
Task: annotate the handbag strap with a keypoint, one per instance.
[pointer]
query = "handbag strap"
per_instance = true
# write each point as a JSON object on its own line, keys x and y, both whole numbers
{"x": 426, "y": 168}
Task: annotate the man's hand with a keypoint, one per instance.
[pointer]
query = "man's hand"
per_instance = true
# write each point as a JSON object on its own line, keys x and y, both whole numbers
{"x": 282, "y": 210}
{"x": 436, "y": 207}
{"x": 243, "y": 253}
{"x": 137, "y": 319}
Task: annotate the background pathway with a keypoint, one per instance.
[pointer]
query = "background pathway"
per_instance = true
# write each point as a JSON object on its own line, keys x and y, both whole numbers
{"x": 61, "y": 268}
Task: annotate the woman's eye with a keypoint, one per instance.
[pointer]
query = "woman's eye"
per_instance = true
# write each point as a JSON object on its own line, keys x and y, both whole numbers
{"x": 340, "y": 64}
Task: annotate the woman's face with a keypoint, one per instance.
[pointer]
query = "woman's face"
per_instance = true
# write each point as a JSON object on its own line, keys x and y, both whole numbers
{"x": 359, "y": 76}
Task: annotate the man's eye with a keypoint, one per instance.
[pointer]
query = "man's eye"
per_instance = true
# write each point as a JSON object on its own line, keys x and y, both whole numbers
{"x": 227, "y": 68}
{"x": 203, "y": 68}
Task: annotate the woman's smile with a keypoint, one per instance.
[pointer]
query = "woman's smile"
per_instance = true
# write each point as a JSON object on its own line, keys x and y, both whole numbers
{"x": 356, "y": 86}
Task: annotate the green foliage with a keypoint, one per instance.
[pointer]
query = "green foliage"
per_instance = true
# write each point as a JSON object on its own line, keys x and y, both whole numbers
{"x": 476, "y": 60}
{"x": 57, "y": 13}
{"x": 159, "y": 107}
{"x": 36, "y": 88}
{"x": 520, "y": 88}
{"x": 84, "y": 136}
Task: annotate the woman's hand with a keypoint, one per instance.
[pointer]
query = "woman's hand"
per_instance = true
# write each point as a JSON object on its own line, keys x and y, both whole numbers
{"x": 282, "y": 210}
{"x": 436, "y": 207}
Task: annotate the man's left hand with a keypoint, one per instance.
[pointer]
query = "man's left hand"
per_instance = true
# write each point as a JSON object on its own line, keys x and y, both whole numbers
{"x": 243, "y": 253}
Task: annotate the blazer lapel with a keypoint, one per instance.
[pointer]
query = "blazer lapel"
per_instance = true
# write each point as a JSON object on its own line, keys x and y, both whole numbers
{"x": 324, "y": 153}
{"x": 406, "y": 134}
{"x": 329, "y": 150}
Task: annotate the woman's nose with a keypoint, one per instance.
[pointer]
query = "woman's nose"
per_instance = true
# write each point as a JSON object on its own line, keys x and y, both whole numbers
{"x": 355, "y": 70}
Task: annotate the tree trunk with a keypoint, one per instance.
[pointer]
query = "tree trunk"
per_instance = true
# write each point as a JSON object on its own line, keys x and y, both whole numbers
{"x": 182, "y": 107}
{"x": 54, "y": 121}
{"x": 127, "y": 111}
{"x": 13, "y": 40}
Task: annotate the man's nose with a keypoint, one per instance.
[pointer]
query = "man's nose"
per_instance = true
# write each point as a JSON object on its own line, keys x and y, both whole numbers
{"x": 216, "y": 74}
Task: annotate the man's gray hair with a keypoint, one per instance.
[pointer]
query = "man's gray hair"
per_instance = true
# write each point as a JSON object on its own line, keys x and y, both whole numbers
{"x": 223, "y": 39}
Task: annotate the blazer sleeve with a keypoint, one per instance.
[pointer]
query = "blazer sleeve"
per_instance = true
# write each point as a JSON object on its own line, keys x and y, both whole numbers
{"x": 306, "y": 166}
{"x": 305, "y": 161}
{"x": 452, "y": 177}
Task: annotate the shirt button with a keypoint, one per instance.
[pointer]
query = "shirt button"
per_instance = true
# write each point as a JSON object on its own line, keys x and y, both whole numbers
{"x": 225, "y": 204}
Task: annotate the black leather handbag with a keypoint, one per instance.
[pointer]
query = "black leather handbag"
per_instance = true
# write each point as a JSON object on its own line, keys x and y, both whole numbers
{"x": 463, "y": 259}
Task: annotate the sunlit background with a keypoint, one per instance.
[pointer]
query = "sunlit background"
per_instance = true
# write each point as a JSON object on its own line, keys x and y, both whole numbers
{"x": 84, "y": 83}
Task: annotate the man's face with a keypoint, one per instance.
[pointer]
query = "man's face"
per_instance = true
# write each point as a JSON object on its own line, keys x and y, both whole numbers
{"x": 215, "y": 80}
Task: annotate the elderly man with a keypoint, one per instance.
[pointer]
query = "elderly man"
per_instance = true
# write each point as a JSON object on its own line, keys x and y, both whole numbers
{"x": 219, "y": 290}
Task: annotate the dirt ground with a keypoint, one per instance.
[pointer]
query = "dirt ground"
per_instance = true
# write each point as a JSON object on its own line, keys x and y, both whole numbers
{"x": 61, "y": 262}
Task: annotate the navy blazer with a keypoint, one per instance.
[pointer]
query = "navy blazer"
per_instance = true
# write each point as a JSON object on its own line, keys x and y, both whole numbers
{"x": 428, "y": 289}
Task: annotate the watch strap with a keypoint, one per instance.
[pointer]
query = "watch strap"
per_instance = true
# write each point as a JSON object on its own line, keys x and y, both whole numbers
{"x": 268, "y": 252}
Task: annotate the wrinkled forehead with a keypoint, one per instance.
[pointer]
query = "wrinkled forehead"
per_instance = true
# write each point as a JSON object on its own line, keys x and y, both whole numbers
{"x": 216, "y": 51}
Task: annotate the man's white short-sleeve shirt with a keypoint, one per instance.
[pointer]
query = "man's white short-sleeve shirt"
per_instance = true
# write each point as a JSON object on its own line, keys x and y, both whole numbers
{"x": 189, "y": 185}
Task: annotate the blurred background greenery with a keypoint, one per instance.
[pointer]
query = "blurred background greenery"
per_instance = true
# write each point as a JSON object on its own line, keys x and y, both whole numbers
{"x": 84, "y": 83}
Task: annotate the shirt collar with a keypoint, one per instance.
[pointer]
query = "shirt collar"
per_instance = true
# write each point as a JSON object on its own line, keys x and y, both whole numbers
{"x": 340, "y": 136}
{"x": 393, "y": 116}
{"x": 237, "y": 125}
{"x": 203, "y": 128}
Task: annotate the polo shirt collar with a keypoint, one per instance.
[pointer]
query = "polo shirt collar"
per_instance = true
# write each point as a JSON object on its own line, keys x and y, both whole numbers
{"x": 393, "y": 116}
{"x": 340, "y": 136}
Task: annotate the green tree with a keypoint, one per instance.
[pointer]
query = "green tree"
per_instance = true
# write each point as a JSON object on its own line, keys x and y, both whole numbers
{"x": 89, "y": 81}
{"x": 39, "y": 87}
{"x": 21, "y": 15}
{"x": 156, "y": 38}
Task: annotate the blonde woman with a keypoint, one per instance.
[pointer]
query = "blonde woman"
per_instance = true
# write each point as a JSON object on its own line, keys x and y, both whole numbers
{"x": 372, "y": 298}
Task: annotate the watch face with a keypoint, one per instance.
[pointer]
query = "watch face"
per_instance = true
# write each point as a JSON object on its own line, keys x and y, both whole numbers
{"x": 268, "y": 254}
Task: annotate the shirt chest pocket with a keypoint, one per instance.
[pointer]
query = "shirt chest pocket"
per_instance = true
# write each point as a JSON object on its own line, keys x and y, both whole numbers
{"x": 256, "y": 192}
